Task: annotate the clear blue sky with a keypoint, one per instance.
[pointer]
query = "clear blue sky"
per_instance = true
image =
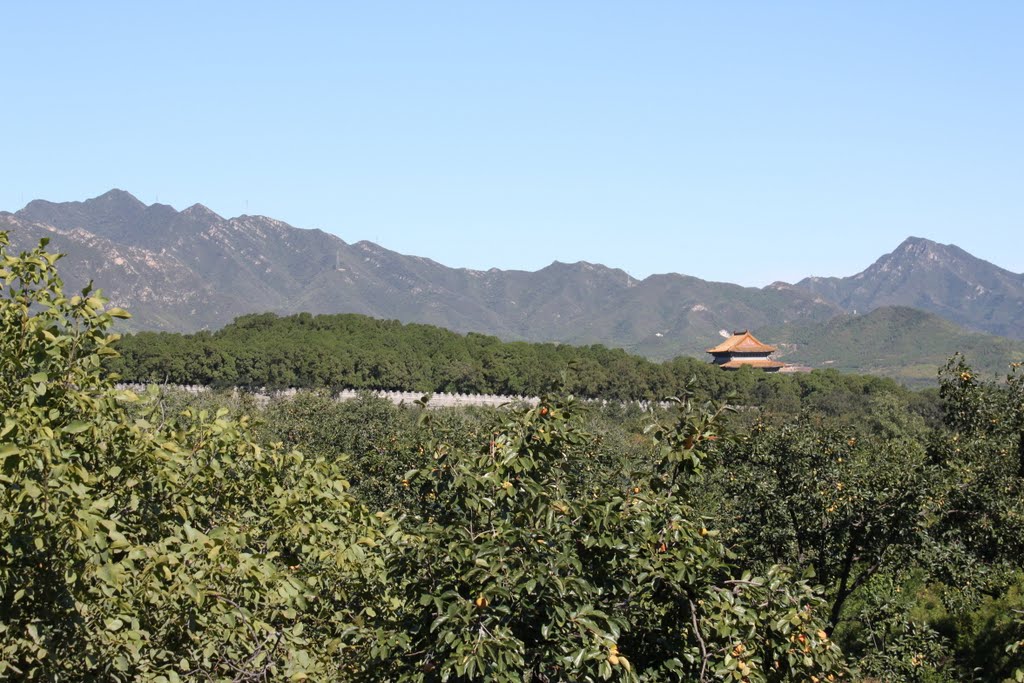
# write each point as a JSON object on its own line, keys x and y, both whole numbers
{"x": 738, "y": 141}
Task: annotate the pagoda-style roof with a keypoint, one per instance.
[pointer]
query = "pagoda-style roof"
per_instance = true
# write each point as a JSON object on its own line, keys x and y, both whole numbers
{"x": 743, "y": 342}
{"x": 760, "y": 363}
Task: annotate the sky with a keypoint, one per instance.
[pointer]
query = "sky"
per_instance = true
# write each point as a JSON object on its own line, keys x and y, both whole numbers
{"x": 746, "y": 142}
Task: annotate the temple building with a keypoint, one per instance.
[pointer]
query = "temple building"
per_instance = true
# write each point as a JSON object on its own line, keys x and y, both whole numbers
{"x": 743, "y": 348}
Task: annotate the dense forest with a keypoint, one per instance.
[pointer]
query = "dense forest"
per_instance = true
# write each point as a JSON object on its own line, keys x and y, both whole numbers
{"x": 853, "y": 531}
{"x": 354, "y": 351}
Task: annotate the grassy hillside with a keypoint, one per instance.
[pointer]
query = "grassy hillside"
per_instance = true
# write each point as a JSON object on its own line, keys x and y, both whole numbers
{"x": 903, "y": 343}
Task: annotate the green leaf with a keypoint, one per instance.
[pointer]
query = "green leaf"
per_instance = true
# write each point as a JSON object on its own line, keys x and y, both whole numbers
{"x": 76, "y": 427}
{"x": 110, "y": 575}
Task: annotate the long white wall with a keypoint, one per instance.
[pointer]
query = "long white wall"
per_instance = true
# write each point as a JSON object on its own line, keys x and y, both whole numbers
{"x": 439, "y": 400}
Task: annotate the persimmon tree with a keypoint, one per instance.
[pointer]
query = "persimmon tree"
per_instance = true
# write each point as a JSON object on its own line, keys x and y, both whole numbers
{"x": 510, "y": 578}
{"x": 821, "y": 498}
{"x": 146, "y": 547}
{"x": 980, "y": 522}
{"x": 982, "y": 453}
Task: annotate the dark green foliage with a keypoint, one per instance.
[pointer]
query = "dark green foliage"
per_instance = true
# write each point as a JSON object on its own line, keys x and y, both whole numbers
{"x": 822, "y": 499}
{"x": 353, "y": 351}
{"x": 911, "y": 521}
{"x": 516, "y": 578}
{"x": 983, "y": 456}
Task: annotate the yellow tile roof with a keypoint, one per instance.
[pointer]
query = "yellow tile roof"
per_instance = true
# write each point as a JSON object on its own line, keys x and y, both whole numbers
{"x": 742, "y": 342}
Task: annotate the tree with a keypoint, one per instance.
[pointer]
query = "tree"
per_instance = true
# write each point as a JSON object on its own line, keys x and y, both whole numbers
{"x": 151, "y": 548}
{"x": 508, "y": 577}
{"x": 819, "y": 498}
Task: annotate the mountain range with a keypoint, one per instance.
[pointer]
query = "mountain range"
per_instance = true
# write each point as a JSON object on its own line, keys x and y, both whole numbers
{"x": 939, "y": 278}
{"x": 193, "y": 269}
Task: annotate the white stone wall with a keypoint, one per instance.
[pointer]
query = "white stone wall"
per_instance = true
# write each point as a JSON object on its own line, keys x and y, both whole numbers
{"x": 439, "y": 400}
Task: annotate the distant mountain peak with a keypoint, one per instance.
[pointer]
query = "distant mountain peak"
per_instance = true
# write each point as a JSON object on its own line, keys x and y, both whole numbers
{"x": 576, "y": 265}
{"x": 198, "y": 211}
{"x": 116, "y": 193}
{"x": 118, "y": 198}
{"x": 112, "y": 207}
{"x": 921, "y": 247}
{"x": 939, "y": 278}
{"x": 913, "y": 241}
{"x": 920, "y": 252}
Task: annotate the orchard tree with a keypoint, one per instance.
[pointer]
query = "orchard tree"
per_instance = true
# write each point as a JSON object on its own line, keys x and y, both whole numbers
{"x": 979, "y": 528}
{"x": 822, "y": 499}
{"x": 982, "y": 454}
{"x": 153, "y": 548}
{"x": 511, "y": 578}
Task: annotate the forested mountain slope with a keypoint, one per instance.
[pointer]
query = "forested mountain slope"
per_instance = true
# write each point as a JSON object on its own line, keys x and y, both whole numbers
{"x": 193, "y": 270}
{"x": 939, "y": 278}
{"x": 895, "y": 341}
